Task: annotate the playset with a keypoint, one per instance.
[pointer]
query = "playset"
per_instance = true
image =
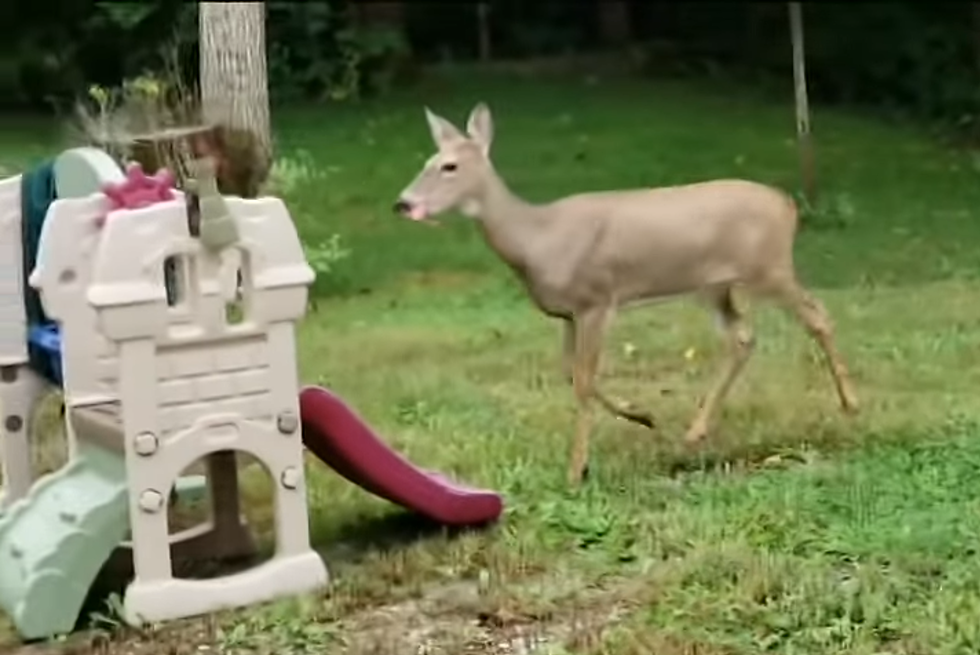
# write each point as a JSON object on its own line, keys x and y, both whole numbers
{"x": 113, "y": 288}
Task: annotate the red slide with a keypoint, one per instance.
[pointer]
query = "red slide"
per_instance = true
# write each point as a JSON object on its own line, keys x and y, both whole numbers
{"x": 342, "y": 440}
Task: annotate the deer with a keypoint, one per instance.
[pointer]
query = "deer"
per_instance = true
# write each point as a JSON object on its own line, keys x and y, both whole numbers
{"x": 584, "y": 257}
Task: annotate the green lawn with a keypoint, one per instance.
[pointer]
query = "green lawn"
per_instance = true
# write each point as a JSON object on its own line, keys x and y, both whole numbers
{"x": 793, "y": 529}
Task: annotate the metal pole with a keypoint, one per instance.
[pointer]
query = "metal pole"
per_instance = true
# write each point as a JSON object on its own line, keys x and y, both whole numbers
{"x": 483, "y": 21}
{"x": 804, "y": 140}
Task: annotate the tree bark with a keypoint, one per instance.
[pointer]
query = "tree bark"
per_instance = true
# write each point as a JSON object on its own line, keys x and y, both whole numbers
{"x": 235, "y": 92}
{"x": 614, "y": 22}
{"x": 483, "y": 29}
{"x": 975, "y": 10}
{"x": 802, "y": 104}
{"x": 379, "y": 14}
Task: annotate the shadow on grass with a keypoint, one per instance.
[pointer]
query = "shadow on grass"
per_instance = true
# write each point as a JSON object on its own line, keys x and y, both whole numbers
{"x": 388, "y": 532}
{"x": 99, "y": 609}
{"x": 360, "y": 538}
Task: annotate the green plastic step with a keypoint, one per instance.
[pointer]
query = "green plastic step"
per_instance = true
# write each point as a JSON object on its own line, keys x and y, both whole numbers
{"x": 54, "y": 541}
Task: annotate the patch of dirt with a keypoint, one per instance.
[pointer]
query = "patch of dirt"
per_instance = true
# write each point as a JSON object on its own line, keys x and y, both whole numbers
{"x": 455, "y": 619}
{"x": 458, "y": 620}
{"x": 439, "y": 279}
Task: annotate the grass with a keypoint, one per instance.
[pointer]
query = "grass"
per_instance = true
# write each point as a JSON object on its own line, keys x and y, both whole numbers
{"x": 793, "y": 530}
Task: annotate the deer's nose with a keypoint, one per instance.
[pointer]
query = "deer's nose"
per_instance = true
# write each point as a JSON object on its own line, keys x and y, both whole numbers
{"x": 402, "y": 207}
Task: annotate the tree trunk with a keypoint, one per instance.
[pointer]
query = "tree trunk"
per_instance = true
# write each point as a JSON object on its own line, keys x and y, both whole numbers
{"x": 235, "y": 92}
{"x": 614, "y": 22}
{"x": 802, "y": 104}
{"x": 379, "y": 14}
{"x": 483, "y": 28}
{"x": 975, "y": 7}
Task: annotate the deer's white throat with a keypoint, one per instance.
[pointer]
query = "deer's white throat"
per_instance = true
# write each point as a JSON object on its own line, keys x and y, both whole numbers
{"x": 471, "y": 208}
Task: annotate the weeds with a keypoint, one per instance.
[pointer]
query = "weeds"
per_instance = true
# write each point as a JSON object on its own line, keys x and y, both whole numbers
{"x": 792, "y": 530}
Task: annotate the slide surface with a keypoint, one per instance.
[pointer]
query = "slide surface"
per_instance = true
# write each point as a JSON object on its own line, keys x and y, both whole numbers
{"x": 54, "y": 541}
{"x": 342, "y": 440}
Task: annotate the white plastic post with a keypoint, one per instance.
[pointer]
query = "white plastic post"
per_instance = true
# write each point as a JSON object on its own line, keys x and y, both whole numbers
{"x": 20, "y": 388}
{"x": 191, "y": 386}
{"x": 13, "y": 322}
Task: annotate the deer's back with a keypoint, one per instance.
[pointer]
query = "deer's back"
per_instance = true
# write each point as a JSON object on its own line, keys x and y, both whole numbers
{"x": 645, "y": 243}
{"x": 708, "y": 205}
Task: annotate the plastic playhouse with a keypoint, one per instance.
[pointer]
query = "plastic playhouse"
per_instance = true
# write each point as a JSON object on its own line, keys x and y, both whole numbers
{"x": 114, "y": 287}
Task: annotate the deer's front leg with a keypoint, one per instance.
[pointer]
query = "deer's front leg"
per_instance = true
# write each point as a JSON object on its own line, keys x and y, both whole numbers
{"x": 615, "y": 407}
{"x": 585, "y": 336}
{"x": 568, "y": 349}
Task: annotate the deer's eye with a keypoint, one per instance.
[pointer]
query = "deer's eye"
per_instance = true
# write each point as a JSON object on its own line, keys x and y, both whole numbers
{"x": 448, "y": 167}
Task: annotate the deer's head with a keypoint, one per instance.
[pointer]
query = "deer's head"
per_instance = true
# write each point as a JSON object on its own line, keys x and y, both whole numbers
{"x": 455, "y": 176}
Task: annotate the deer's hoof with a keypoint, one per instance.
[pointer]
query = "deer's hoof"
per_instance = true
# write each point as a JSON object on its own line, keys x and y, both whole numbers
{"x": 636, "y": 416}
{"x": 697, "y": 433}
{"x": 643, "y": 418}
{"x": 851, "y": 406}
{"x": 577, "y": 476}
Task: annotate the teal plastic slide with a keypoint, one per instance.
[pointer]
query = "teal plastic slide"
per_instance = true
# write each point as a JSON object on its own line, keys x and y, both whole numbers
{"x": 54, "y": 541}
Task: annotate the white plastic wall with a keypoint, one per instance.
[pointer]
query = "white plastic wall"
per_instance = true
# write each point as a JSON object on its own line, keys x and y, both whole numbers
{"x": 189, "y": 383}
{"x": 13, "y": 322}
{"x": 70, "y": 243}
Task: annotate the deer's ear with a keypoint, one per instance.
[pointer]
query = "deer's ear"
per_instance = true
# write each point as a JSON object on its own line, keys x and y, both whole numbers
{"x": 442, "y": 130}
{"x": 480, "y": 126}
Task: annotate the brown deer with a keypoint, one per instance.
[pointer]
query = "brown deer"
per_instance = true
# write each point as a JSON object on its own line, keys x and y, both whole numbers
{"x": 583, "y": 257}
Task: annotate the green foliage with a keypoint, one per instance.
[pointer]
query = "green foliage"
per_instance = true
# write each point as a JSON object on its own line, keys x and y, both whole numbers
{"x": 324, "y": 255}
{"x": 149, "y": 103}
{"x": 373, "y": 54}
{"x": 908, "y": 58}
{"x": 290, "y": 173}
{"x": 288, "y": 627}
{"x": 834, "y": 211}
{"x": 112, "y": 617}
{"x": 125, "y": 15}
{"x": 302, "y": 53}
{"x": 315, "y": 53}
{"x": 51, "y": 53}
{"x": 914, "y": 58}
{"x": 292, "y": 176}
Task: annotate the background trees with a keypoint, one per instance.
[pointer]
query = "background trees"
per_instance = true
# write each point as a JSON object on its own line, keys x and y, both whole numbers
{"x": 905, "y": 57}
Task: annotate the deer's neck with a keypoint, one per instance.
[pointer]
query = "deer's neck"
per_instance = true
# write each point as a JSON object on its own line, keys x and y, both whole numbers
{"x": 510, "y": 224}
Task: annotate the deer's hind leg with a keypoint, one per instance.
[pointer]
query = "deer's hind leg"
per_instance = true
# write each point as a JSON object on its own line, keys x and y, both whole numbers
{"x": 814, "y": 317}
{"x": 741, "y": 343}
